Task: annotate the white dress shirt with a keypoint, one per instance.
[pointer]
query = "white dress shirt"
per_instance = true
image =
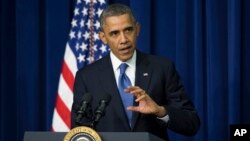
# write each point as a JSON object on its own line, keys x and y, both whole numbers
{"x": 130, "y": 72}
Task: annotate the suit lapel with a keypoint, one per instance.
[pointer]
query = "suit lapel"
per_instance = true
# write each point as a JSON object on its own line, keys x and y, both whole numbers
{"x": 108, "y": 82}
{"x": 142, "y": 79}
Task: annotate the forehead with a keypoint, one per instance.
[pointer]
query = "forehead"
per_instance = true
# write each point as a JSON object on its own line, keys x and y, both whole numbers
{"x": 118, "y": 22}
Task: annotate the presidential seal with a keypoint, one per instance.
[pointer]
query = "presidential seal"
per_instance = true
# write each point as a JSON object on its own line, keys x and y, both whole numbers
{"x": 82, "y": 133}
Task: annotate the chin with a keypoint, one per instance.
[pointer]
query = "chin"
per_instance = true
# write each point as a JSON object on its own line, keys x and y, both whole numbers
{"x": 126, "y": 58}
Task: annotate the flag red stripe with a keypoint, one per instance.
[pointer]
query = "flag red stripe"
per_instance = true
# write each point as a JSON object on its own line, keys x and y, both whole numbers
{"x": 68, "y": 76}
{"x": 52, "y": 129}
{"x": 63, "y": 111}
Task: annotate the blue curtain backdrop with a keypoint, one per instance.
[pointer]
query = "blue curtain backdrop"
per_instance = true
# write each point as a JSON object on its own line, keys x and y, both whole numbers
{"x": 209, "y": 41}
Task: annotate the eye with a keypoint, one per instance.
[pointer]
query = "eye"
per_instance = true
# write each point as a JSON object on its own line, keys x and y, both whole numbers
{"x": 113, "y": 33}
{"x": 129, "y": 29}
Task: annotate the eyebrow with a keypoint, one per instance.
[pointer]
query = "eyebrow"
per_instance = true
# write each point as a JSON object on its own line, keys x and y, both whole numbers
{"x": 117, "y": 31}
{"x": 113, "y": 32}
{"x": 129, "y": 28}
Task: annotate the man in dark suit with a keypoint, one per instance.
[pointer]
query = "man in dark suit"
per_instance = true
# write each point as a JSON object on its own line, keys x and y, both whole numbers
{"x": 146, "y": 90}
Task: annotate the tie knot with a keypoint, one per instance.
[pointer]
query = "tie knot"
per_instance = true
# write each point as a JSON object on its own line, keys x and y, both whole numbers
{"x": 123, "y": 68}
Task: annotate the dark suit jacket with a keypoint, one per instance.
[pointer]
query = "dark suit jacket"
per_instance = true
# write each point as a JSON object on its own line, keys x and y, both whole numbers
{"x": 162, "y": 84}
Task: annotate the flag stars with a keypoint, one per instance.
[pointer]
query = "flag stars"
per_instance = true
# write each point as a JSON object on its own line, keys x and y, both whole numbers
{"x": 95, "y": 47}
{"x": 89, "y": 24}
{"x": 72, "y": 34}
{"x": 81, "y": 58}
{"x": 74, "y": 23}
{"x": 97, "y": 25}
{"x": 100, "y": 57}
{"x": 77, "y": 46}
{"x": 87, "y": 1}
{"x": 93, "y": 12}
{"x": 99, "y": 12}
{"x": 86, "y": 35}
{"x": 102, "y": 2}
{"x": 103, "y": 48}
{"x": 79, "y": 35}
{"x": 85, "y": 11}
{"x": 79, "y": 1}
{"x": 84, "y": 47}
{"x": 76, "y": 11}
{"x": 82, "y": 23}
{"x": 96, "y": 36}
{"x": 91, "y": 59}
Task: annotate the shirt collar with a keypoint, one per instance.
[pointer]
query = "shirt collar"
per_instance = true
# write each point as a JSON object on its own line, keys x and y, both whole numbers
{"x": 116, "y": 62}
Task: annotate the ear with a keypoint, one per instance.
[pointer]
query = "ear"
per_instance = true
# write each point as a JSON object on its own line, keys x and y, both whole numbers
{"x": 138, "y": 28}
{"x": 102, "y": 37}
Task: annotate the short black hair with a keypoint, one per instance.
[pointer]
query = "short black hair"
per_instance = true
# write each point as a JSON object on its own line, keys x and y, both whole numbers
{"x": 116, "y": 9}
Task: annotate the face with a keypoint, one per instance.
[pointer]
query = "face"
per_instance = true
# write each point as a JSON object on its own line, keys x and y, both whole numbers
{"x": 120, "y": 33}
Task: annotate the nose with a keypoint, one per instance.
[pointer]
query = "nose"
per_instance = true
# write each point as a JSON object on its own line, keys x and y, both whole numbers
{"x": 124, "y": 38}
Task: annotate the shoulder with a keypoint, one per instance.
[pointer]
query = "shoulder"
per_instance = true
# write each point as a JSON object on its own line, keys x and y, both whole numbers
{"x": 92, "y": 68}
{"x": 155, "y": 60}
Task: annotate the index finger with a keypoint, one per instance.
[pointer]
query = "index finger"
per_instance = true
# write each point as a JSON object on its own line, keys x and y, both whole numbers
{"x": 132, "y": 88}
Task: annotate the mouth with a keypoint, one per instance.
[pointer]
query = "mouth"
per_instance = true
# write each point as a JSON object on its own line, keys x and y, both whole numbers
{"x": 125, "y": 50}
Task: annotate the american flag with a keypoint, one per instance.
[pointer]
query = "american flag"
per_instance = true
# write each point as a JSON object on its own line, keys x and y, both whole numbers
{"x": 83, "y": 47}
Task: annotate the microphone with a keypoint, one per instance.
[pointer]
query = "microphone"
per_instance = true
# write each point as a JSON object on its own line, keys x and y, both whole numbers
{"x": 100, "y": 110}
{"x": 82, "y": 111}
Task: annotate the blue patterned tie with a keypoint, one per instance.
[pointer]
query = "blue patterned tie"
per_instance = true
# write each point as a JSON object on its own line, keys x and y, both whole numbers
{"x": 123, "y": 83}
